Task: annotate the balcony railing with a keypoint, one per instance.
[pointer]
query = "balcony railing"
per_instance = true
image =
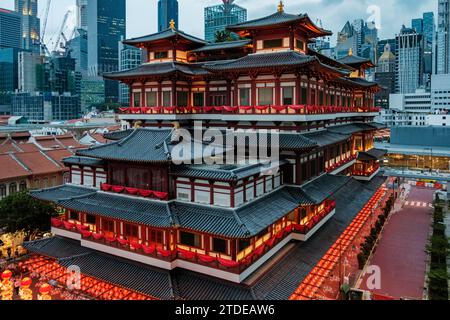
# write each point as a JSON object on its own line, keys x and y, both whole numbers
{"x": 277, "y": 110}
{"x": 341, "y": 163}
{"x": 368, "y": 173}
{"x": 215, "y": 261}
{"x": 144, "y": 193}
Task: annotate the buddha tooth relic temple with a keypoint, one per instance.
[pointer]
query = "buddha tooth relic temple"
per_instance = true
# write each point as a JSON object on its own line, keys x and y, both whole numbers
{"x": 133, "y": 218}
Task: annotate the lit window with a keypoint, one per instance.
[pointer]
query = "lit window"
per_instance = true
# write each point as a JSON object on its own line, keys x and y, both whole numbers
{"x": 265, "y": 96}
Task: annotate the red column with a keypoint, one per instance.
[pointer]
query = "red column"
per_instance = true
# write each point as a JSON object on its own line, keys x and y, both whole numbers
{"x": 253, "y": 90}
{"x": 277, "y": 91}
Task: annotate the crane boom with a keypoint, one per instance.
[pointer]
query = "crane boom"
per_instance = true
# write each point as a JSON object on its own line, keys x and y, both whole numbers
{"x": 63, "y": 25}
{"x": 45, "y": 18}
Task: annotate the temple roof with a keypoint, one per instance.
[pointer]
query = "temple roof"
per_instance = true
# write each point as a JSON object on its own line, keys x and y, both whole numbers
{"x": 84, "y": 161}
{"x": 142, "y": 145}
{"x": 162, "y": 68}
{"x": 372, "y": 154}
{"x": 330, "y": 61}
{"x": 287, "y": 59}
{"x": 325, "y": 138}
{"x": 221, "y": 172}
{"x": 359, "y": 82}
{"x": 278, "y": 19}
{"x": 118, "y": 135}
{"x": 324, "y": 187}
{"x": 223, "y": 45}
{"x": 164, "y": 35}
{"x": 355, "y": 61}
{"x": 352, "y": 128}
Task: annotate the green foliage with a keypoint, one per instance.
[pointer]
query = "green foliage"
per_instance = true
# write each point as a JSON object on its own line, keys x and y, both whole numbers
{"x": 223, "y": 36}
{"x": 21, "y": 212}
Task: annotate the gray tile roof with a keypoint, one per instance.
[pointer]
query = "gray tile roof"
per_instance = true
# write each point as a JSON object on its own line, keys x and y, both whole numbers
{"x": 351, "y": 128}
{"x": 324, "y": 187}
{"x": 56, "y": 247}
{"x": 163, "y": 68}
{"x": 325, "y": 138}
{"x": 372, "y": 154}
{"x": 163, "y": 35}
{"x": 221, "y": 172}
{"x": 353, "y": 60}
{"x": 118, "y": 135}
{"x": 223, "y": 45}
{"x": 61, "y": 192}
{"x": 146, "y": 212}
{"x": 84, "y": 161}
{"x": 263, "y": 60}
{"x": 143, "y": 279}
{"x": 142, "y": 145}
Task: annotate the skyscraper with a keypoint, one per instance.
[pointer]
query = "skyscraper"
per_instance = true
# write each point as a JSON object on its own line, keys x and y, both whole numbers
{"x": 31, "y": 28}
{"x": 167, "y": 10}
{"x": 385, "y": 77}
{"x": 129, "y": 57}
{"x": 428, "y": 28}
{"x": 82, "y": 15}
{"x": 409, "y": 63}
{"x": 361, "y": 37}
{"x": 10, "y": 29}
{"x": 417, "y": 24}
{"x": 442, "y": 44}
{"x": 106, "y": 25}
{"x": 218, "y": 17}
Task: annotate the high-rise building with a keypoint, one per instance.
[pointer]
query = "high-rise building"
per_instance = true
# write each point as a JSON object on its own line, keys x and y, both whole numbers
{"x": 361, "y": 37}
{"x": 82, "y": 15}
{"x": 442, "y": 44}
{"x": 428, "y": 28}
{"x": 409, "y": 61}
{"x": 10, "y": 29}
{"x": 106, "y": 25}
{"x": 218, "y": 17}
{"x": 29, "y": 78}
{"x": 167, "y": 11}
{"x": 385, "y": 77}
{"x": 78, "y": 48}
{"x": 31, "y": 29}
{"x": 381, "y": 45}
{"x": 417, "y": 25}
{"x": 92, "y": 93}
{"x": 129, "y": 57}
{"x": 9, "y": 70}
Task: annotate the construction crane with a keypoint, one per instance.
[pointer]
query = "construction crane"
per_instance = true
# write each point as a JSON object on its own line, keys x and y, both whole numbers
{"x": 63, "y": 25}
{"x": 44, "y": 18}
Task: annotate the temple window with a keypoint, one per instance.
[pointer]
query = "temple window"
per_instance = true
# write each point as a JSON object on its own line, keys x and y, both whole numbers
{"x": 108, "y": 225}
{"x": 151, "y": 99}
{"x": 155, "y": 236}
{"x": 73, "y": 215}
{"x": 272, "y": 43}
{"x": 161, "y": 55}
{"x": 244, "y": 97}
{"x": 190, "y": 239}
{"x": 219, "y": 245}
{"x": 136, "y": 99}
{"x": 288, "y": 96}
{"x": 166, "y": 98}
{"x": 321, "y": 98}
{"x": 299, "y": 44}
{"x": 199, "y": 99}
{"x": 265, "y": 96}
{"x": 243, "y": 244}
{"x": 182, "y": 98}
{"x": 131, "y": 231}
{"x": 304, "y": 96}
{"x": 90, "y": 219}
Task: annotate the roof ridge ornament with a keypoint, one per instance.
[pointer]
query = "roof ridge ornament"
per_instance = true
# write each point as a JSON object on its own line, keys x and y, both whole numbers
{"x": 281, "y": 6}
{"x": 172, "y": 24}
{"x": 350, "y": 51}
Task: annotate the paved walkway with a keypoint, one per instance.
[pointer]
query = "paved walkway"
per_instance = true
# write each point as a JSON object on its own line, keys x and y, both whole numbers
{"x": 401, "y": 253}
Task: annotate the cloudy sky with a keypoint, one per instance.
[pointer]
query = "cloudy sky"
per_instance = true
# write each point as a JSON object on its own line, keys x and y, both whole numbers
{"x": 142, "y": 17}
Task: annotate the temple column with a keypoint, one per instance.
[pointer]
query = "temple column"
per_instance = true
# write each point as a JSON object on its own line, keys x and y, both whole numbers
{"x": 277, "y": 90}
{"x": 253, "y": 91}
{"x": 207, "y": 102}
{"x": 298, "y": 90}
{"x": 228, "y": 97}
{"x": 235, "y": 92}
{"x": 174, "y": 93}
{"x": 160, "y": 94}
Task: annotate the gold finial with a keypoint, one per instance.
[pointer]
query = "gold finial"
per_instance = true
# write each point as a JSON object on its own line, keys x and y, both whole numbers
{"x": 350, "y": 52}
{"x": 172, "y": 24}
{"x": 281, "y": 6}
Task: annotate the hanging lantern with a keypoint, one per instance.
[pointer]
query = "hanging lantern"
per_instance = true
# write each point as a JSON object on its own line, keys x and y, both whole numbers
{"x": 25, "y": 292}
{"x": 6, "y": 286}
{"x": 44, "y": 292}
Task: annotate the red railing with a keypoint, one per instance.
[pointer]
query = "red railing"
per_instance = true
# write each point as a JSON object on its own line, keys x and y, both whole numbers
{"x": 340, "y": 163}
{"x": 135, "y": 191}
{"x": 291, "y": 109}
{"x": 314, "y": 221}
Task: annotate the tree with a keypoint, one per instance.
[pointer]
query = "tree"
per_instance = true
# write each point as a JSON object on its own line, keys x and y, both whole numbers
{"x": 21, "y": 212}
{"x": 223, "y": 36}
